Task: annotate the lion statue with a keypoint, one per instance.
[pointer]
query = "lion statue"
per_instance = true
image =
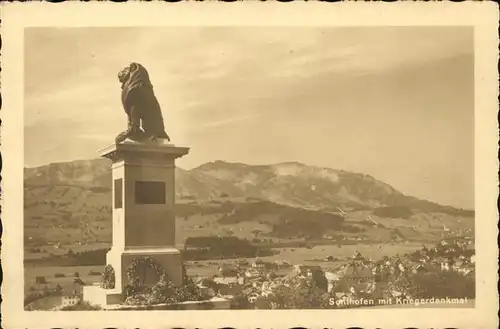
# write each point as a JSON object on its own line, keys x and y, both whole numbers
{"x": 145, "y": 120}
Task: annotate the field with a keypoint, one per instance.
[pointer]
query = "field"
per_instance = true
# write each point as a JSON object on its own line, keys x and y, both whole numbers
{"x": 426, "y": 228}
{"x": 374, "y": 251}
{"x": 46, "y": 303}
{"x": 312, "y": 256}
{"x": 30, "y": 274}
{"x": 66, "y": 282}
{"x": 61, "y": 249}
{"x": 207, "y": 225}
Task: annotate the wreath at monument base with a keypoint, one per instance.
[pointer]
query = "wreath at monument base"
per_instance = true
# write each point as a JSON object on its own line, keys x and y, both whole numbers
{"x": 162, "y": 292}
{"x": 140, "y": 263}
{"x": 108, "y": 277}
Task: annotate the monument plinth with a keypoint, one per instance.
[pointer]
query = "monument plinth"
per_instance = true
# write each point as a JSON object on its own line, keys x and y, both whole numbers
{"x": 143, "y": 201}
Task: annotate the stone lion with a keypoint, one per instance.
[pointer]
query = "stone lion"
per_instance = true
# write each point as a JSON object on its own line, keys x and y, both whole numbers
{"x": 145, "y": 120}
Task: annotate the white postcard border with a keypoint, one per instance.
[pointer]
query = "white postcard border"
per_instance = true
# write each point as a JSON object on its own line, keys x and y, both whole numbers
{"x": 482, "y": 15}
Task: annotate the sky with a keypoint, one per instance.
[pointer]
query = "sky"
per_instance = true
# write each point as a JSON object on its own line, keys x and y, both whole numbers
{"x": 396, "y": 103}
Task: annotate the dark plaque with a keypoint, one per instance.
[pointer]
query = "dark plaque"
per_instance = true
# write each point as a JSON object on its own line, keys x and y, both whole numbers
{"x": 150, "y": 192}
{"x": 118, "y": 193}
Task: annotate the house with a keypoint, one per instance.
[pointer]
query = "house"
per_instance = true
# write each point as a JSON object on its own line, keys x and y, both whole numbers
{"x": 443, "y": 262}
{"x": 266, "y": 289}
{"x": 70, "y": 299}
{"x": 228, "y": 286}
{"x": 207, "y": 286}
{"x": 252, "y": 273}
{"x": 331, "y": 279}
{"x": 72, "y": 295}
{"x": 228, "y": 271}
{"x": 357, "y": 274}
{"x": 226, "y": 280}
{"x": 252, "y": 297}
{"x": 330, "y": 286}
{"x": 331, "y": 276}
{"x": 282, "y": 264}
{"x": 269, "y": 287}
{"x": 259, "y": 264}
{"x": 262, "y": 265}
{"x": 300, "y": 269}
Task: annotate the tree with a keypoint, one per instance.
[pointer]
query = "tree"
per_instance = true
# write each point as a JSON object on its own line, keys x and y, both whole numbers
{"x": 441, "y": 285}
{"x": 320, "y": 280}
{"x": 240, "y": 302}
{"x": 300, "y": 294}
{"x": 263, "y": 303}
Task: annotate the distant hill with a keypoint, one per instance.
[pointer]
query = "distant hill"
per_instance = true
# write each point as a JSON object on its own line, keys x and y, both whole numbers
{"x": 289, "y": 200}
{"x": 292, "y": 184}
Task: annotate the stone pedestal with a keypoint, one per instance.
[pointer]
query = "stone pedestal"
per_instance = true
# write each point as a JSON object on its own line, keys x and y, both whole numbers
{"x": 143, "y": 222}
{"x": 111, "y": 300}
{"x": 143, "y": 202}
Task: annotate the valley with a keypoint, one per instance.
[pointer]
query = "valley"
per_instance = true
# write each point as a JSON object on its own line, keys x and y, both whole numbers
{"x": 68, "y": 206}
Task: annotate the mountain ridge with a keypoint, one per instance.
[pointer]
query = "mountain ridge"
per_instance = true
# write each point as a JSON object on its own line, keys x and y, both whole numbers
{"x": 291, "y": 183}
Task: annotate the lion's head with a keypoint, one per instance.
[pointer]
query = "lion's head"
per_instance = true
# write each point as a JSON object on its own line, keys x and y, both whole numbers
{"x": 134, "y": 75}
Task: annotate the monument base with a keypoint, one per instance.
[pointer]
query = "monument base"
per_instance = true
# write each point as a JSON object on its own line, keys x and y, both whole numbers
{"x": 168, "y": 258}
{"x": 96, "y": 295}
{"x": 111, "y": 299}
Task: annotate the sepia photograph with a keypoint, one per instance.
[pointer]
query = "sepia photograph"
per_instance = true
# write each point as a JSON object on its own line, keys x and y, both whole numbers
{"x": 248, "y": 167}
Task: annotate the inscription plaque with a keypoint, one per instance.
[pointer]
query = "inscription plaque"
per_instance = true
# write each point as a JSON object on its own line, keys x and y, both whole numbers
{"x": 118, "y": 193}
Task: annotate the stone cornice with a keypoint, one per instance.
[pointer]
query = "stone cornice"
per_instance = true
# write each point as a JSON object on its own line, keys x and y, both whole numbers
{"x": 133, "y": 152}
